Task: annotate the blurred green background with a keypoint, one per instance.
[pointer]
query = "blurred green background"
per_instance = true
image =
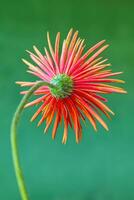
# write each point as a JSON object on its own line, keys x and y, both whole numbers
{"x": 101, "y": 167}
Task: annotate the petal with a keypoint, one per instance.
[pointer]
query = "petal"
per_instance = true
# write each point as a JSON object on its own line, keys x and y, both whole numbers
{"x": 57, "y": 43}
{"x": 36, "y": 101}
{"x": 93, "y": 112}
{"x": 48, "y": 98}
{"x": 57, "y": 121}
{"x": 51, "y": 50}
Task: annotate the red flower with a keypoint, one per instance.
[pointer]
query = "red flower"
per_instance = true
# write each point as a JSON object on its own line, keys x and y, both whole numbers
{"x": 81, "y": 79}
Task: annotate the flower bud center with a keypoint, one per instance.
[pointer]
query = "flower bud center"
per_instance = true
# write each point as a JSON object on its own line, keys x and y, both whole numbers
{"x": 64, "y": 86}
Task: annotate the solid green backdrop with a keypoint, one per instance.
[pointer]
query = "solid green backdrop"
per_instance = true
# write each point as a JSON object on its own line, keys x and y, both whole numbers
{"x": 101, "y": 167}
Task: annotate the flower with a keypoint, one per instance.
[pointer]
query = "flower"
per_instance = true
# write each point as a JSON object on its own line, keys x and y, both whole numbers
{"x": 81, "y": 80}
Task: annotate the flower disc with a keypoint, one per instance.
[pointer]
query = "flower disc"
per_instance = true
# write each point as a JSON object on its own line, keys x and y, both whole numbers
{"x": 64, "y": 86}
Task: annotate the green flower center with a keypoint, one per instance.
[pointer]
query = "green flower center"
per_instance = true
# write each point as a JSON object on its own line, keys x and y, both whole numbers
{"x": 64, "y": 86}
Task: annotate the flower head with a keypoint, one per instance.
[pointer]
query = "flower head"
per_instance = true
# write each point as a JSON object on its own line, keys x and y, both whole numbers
{"x": 81, "y": 80}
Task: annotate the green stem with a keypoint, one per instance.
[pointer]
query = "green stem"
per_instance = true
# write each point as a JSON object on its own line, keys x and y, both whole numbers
{"x": 15, "y": 155}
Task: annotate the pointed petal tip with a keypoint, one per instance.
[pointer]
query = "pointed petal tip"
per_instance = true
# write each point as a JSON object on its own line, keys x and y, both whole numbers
{"x": 53, "y": 137}
{"x": 58, "y": 34}
{"x": 125, "y": 92}
{"x": 71, "y": 29}
{"x": 77, "y": 140}
{"x": 45, "y": 131}
{"x": 112, "y": 113}
{"x": 120, "y": 72}
{"x": 48, "y": 34}
{"x": 39, "y": 123}
{"x": 106, "y": 128}
{"x": 28, "y": 51}
{"x": 64, "y": 142}
{"x": 103, "y": 41}
{"x": 120, "y": 81}
{"x": 34, "y": 47}
{"x": 107, "y": 45}
{"x": 77, "y": 33}
{"x": 23, "y": 60}
{"x": 18, "y": 82}
{"x": 95, "y": 129}
{"x": 31, "y": 120}
{"x": 25, "y": 106}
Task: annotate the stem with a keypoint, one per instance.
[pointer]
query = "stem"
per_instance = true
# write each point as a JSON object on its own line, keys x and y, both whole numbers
{"x": 15, "y": 155}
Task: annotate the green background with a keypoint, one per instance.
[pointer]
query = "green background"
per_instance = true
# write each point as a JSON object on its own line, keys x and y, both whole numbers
{"x": 101, "y": 167}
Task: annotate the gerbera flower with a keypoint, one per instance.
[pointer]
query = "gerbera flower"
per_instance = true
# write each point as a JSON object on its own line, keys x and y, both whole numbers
{"x": 81, "y": 80}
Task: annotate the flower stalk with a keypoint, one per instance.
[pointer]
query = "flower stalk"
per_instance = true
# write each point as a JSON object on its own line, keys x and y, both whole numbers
{"x": 14, "y": 146}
